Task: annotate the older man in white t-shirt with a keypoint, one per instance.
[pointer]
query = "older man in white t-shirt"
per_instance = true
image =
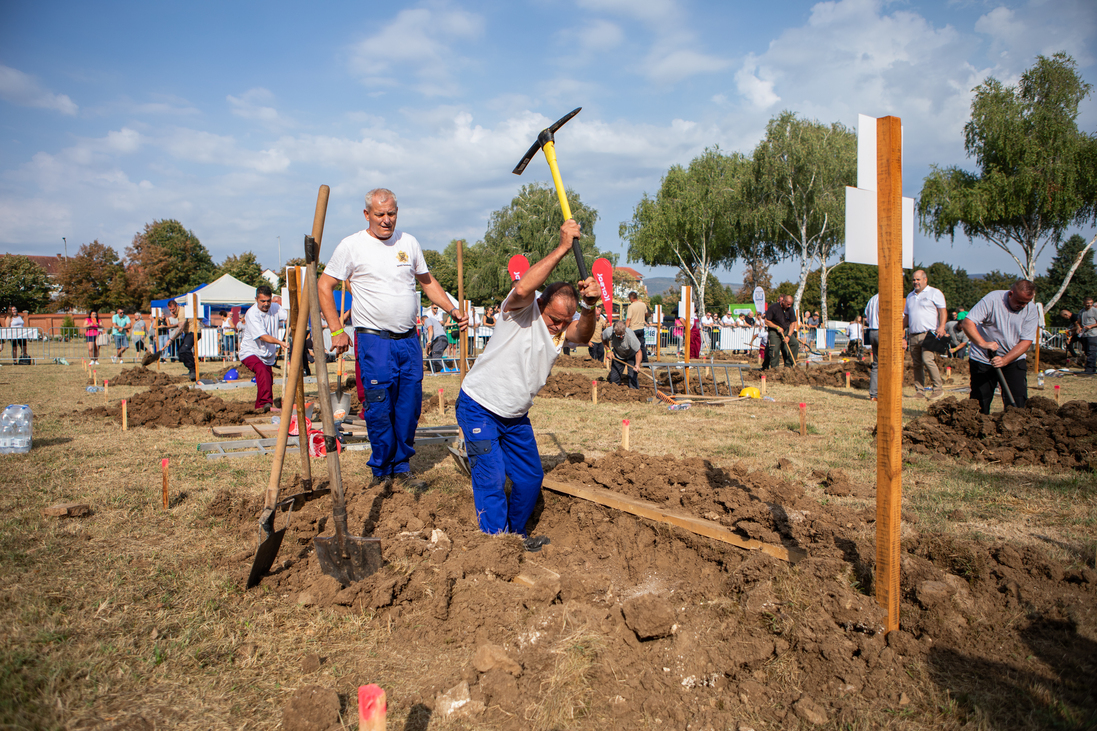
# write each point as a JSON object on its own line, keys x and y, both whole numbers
{"x": 259, "y": 344}
{"x": 498, "y": 392}
{"x": 382, "y": 266}
{"x": 924, "y": 313}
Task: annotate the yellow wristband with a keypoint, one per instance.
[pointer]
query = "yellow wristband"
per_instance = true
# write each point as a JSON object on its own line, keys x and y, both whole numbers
{"x": 337, "y": 332}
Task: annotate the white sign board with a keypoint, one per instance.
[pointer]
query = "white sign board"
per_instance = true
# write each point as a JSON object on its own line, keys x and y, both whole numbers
{"x": 759, "y": 299}
{"x": 861, "y": 223}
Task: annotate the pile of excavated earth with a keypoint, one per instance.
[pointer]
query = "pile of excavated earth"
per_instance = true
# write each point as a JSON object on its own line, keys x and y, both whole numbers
{"x": 1041, "y": 433}
{"x": 566, "y": 385}
{"x": 170, "y": 406}
{"x": 640, "y": 623}
{"x": 140, "y": 376}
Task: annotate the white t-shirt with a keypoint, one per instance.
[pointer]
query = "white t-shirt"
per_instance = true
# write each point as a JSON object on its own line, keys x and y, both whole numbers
{"x": 921, "y": 309}
{"x": 382, "y": 278}
{"x": 854, "y": 331}
{"x": 872, "y": 313}
{"x": 728, "y": 321}
{"x": 515, "y": 364}
{"x": 257, "y": 323}
{"x": 707, "y": 321}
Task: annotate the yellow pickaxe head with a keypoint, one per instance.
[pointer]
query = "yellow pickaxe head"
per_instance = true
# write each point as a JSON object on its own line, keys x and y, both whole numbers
{"x": 547, "y": 142}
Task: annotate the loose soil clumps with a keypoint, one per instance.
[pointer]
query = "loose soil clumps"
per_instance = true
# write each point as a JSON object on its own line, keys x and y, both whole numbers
{"x": 621, "y": 620}
{"x": 141, "y": 376}
{"x": 1041, "y": 433}
{"x": 172, "y": 407}
{"x": 577, "y": 386}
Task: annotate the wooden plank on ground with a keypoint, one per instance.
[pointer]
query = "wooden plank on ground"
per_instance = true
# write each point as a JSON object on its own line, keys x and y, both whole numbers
{"x": 651, "y": 511}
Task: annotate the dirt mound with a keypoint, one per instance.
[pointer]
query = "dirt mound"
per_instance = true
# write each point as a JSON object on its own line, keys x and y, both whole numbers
{"x": 578, "y": 361}
{"x": 174, "y": 407}
{"x": 143, "y": 377}
{"x": 244, "y": 373}
{"x": 577, "y": 386}
{"x": 1042, "y": 433}
{"x": 625, "y": 619}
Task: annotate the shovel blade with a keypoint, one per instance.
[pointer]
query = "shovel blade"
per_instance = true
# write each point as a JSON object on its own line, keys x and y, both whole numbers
{"x": 462, "y": 460}
{"x": 362, "y": 559}
{"x": 264, "y": 557}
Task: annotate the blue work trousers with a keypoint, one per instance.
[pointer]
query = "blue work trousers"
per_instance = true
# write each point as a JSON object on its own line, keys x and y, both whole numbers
{"x": 499, "y": 448}
{"x": 392, "y": 382}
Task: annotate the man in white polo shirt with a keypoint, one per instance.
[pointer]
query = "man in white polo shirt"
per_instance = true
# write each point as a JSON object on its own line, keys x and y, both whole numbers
{"x": 259, "y": 345}
{"x": 1001, "y": 327}
{"x": 382, "y": 266}
{"x": 924, "y": 313}
{"x": 498, "y": 391}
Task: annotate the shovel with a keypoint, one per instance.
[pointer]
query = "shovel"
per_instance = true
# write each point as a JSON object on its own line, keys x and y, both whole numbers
{"x": 343, "y": 557}
{"x": 272, "y": 540}
{"x": 1005, "y": 388}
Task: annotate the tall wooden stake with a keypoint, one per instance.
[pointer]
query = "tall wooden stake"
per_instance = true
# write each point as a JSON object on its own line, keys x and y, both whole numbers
{"x": 297, "y": 306}
{"x": 688, "y": 329}
{"x": 889, "y": 414}
{"x": 164, "y": 481}
{"x": 194, "y": 329}
{"x": 463, "y": 340}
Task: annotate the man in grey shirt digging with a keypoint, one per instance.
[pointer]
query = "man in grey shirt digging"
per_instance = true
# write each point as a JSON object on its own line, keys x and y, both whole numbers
{"x": 1001, "y": 327}
{"x": 625, "y": 347}
{"x": 1087, "y": 320}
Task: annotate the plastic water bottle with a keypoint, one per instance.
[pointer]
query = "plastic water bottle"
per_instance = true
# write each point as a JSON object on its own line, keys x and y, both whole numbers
{"x": 1040, "y": 379}
{"x": 24, "y": 430}
{"x": 7, "y": 429}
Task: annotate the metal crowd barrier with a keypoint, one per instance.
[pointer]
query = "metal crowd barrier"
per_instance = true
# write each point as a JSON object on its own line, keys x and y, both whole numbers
{"x": 700, "y": 369}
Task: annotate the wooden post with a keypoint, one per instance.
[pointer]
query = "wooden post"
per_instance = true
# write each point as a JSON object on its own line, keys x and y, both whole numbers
{"x": 763, "y": 386}
{"x": 441, "y": 402}
{"x": 1056, "y": 394}
{"x": 462, "y": 337}
{"x": 594, "y": 392}
{"x": 125, "y": 417}
{"x": 342, "y": 298}
{"x": 297, "y": 300}
{"x": 194, "y": 329}
{"x": 658, "y": 332}
{"x": 164, "y": 476}
{"x": 889, "y": 416}
{"x": 106, "y": 388}
{"x": 95, "y": 378}
{"x": 847, "y": 379}
{"x": 372, "y": 708}
{"x": 948, "y": 373}
{"x": 688, "y": 329}
{"x": 624, "y": 435}
{"x": 1039, "y": 327}
{"x": 803, "y": 419}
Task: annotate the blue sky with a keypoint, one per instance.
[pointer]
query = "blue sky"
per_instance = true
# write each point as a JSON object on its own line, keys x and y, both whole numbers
{"x": 228, "y": 116}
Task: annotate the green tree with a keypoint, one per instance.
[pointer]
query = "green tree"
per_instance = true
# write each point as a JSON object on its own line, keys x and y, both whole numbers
{"x": 691, "y": 223}
{"x": 23, "y": 284}
{"x": 443, "y": 268}
{"x": 244, "y": 267}
{"x": 94, "y": 279}
{"x": 168, "y": 260}
{"x": 959, "y": 289}
{"x": 1035, "y": 176}
{"x": 529, "y": 225}
{"x": 1083, "y": 283}
{"x": 755, "y": 275}
{"x": 802, "y": 168}
{"x": 992, "y": 281}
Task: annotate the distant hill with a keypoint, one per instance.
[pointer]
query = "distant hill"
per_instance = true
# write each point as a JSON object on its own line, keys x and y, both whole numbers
{"x": 660, "y": 285}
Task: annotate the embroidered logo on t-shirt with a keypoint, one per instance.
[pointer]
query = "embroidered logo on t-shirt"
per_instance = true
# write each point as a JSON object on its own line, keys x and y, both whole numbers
{"x": 401, "y": 257}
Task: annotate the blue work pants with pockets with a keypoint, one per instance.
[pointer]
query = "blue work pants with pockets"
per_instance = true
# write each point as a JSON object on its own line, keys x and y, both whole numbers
{"x": 392, "y": 382}
{"x": 499, "y": 448}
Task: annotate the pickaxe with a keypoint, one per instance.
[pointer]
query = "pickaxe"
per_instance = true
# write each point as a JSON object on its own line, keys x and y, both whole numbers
{"x": 546, "y": 141}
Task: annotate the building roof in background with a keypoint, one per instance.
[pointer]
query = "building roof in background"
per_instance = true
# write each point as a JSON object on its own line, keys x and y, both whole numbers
{"x": 631, "y": 272}
{"x": 52, "y": 264}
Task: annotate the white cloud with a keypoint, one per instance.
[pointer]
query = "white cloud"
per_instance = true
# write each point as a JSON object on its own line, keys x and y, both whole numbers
{"x": 1040, "y": 27}
{"x": 671, "y": 66}
{"x": 19, "y": 88}
{"x": 252, "y": 105}
{"x": 759, "y": 92}
{"x": 648, "y": 11}
{"x": 417, "y": 42}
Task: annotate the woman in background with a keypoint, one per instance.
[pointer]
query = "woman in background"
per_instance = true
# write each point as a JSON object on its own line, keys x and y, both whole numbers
{"x": 92, "y": 328}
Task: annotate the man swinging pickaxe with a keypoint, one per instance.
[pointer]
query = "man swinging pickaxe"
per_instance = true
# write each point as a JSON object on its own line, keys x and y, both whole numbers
{"x": 546, "y": 141}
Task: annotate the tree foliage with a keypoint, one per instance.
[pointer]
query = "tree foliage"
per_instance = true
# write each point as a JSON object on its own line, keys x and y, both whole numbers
{"x": 94, "y": 279}
{"x": 696, "y": 221}
{"x": 992, "y": 281}
{"x": 166, "y": 260}
{"x": 244, "y": 267}
{"x": 960, "y": 290}
{"x": 1035, "y": 168}
{"x": 802, "y": 168}
{"x": 1083, "y": 284}
{"x": 23, "y": 284}
{"x": 529, "y": 225}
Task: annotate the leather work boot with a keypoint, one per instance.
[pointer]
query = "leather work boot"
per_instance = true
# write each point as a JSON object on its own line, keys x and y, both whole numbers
{"x": 410, "y": 483}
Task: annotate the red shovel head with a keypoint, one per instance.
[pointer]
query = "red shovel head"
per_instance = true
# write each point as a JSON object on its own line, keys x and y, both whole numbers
{"x": 603, "y": 274}
{"x": 517, "y": 266}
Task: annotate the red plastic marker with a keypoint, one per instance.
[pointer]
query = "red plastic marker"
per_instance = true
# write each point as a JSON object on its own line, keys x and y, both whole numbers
{"x": 372, "y": 708}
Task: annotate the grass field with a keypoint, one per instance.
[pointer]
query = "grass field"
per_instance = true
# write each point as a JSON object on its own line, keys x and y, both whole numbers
{"x": 129, "y": 613}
